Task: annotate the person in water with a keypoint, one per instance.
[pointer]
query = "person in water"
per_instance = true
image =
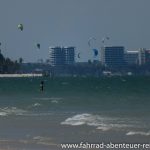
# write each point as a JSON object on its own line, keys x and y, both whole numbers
{"x": 42, "y": 86}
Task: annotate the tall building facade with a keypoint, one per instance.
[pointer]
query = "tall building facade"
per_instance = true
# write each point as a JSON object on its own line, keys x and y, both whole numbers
{"x": 142, "y": 56}
{"x": 147, "y": 56}
{"x": 138, "y": 57}
{"x": 56, "y": 56}
{"x": 61, "y": 56}
{"x": 113, "y": 57}
{"x": 131, "y": 57}
{"x": 69, "y": 53}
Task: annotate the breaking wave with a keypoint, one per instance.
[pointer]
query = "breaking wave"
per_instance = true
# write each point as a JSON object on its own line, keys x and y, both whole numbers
{"x": 100, "y": 122}
{"x": 51, "y": 99}
{"x": 138, "y": 133}
{"x": 11, "y": 111}
{"x": 48, "y": 98}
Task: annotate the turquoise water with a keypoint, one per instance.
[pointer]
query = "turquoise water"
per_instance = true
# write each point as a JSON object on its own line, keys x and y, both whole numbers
{"x": 103, "y": 105}
{"x": 79, "y": 93}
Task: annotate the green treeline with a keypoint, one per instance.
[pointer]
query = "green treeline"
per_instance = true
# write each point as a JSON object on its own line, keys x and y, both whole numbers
{"x": 8, "y": 66}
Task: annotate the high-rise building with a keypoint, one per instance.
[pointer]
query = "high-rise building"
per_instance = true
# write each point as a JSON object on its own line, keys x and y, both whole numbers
{"x": 142, "y": 56}
{"x": 113, "y": 57}
{"x": 131, "y": 57}
{"x": 57, "y": 57}
{"x": 61, "y": 56}
{"x": 147, "y": 56}
{"x": 139, "y": 57}
{"x": 69, "y": 55}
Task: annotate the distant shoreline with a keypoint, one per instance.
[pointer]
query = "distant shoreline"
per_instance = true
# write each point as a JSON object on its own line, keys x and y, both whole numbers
{"x": 20, "y": 75}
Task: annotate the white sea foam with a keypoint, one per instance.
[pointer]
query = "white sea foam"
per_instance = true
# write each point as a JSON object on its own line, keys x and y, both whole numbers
{"x": 3, "y": 114}
{"x": 11, "y": 111}
{"x": 100, "y": 122}
{"x": 54, "y": 101}
{"x": 48, "y": 98}
{"x": 85, "y": 119}
{"x": 43, "y": 140}
{"x": 40, "y": 140}
{"x": 79, "y": 120}
{"x": 138, "y": 133}
{"x": 36, "y": 104}
{"x": 103, "y": 128}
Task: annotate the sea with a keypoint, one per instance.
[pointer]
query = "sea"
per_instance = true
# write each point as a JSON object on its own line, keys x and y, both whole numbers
{"x": 74, "y": 110}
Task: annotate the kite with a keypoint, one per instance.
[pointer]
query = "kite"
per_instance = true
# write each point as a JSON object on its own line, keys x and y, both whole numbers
{"x": 20, "y": 27}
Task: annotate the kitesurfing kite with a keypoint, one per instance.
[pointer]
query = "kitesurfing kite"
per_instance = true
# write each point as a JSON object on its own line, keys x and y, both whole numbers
{"x": 38, "y": 45}
{"x": 105, "y": 38}
{"x": 20, "y": 27}
{"x": 90, "y": 40}
{"x": 78, "y": 55}
{"x": 95, "y": 52}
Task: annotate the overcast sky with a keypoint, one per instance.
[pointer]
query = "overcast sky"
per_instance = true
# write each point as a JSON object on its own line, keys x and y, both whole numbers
{"x": 72, "y": 23}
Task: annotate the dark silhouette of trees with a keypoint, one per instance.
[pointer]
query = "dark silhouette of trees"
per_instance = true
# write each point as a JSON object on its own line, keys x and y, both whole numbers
{"x": 8, "y": 66}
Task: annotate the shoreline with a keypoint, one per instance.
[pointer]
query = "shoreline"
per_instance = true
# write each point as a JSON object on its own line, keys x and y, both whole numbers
{"x": 20, "y": 75}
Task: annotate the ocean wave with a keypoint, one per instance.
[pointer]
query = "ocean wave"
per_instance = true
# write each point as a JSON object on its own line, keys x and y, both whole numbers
{"x": 35, "y": 105}
{"x": 55, "y": 101}
{"x": 48, "y": 98}
{"x": 79, "y": 120}
{"x": 138, "y": 133}
{"x": 14, "y": 111}
{"x": 104, "y": 128}
{"x": 3, "y": 114}
{"x": 100, "y": 122}
{"x": 43, "y": 140}
{"x": 51, "y": 99}
{"x": 38, "y": 140}
{"x": 11, "y": 111}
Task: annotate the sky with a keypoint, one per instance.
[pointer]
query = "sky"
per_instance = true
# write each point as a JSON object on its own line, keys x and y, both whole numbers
{"x": 72, "y": 23}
